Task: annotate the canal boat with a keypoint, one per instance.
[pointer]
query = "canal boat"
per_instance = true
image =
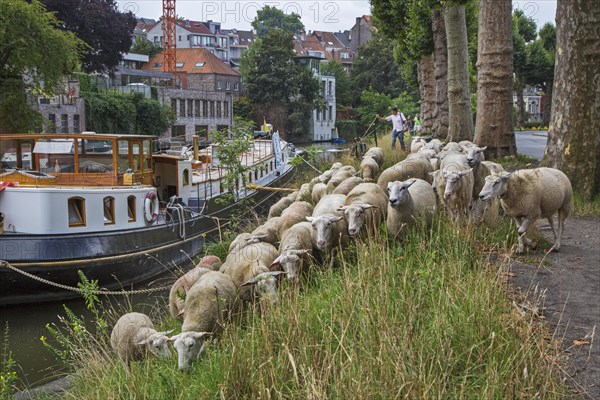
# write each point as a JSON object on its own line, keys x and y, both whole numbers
{"x": 108, "y": 206}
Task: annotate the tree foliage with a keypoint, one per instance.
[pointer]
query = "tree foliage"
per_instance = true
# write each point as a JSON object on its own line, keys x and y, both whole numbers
{"x": 31, "y": 47}
{"x": 98, "y": 23}
{"x": 268, "y": 18}
{"x": 144, "y": 46}
{"x": 373, "y": 103}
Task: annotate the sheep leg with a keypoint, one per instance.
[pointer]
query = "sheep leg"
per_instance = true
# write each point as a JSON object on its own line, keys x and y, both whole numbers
{"x": 561, "y": 226}
{"x": 551, "y": 222}
{"x": 524, "y": 240}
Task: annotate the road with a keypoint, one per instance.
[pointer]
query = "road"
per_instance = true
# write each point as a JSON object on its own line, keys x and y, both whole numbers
{"x": 531, "y": 143}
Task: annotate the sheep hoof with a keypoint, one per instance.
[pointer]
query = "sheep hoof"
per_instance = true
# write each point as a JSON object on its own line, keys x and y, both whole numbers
{"x": 532, "y": 245}
{"x": 555, "y": 249}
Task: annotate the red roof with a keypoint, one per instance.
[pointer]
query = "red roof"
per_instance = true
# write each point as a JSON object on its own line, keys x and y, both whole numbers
{"x": 194, "y": 27}
{"x": 192, "y": 59}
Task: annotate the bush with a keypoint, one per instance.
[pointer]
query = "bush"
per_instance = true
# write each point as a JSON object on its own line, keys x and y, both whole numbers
{"x": 533, "y": 125}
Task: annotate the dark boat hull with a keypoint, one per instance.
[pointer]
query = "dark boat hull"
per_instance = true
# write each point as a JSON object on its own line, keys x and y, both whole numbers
{"x": 116, "y": 261}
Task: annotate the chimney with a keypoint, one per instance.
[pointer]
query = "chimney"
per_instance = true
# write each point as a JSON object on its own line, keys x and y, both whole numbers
{"x": 187, "y": 23}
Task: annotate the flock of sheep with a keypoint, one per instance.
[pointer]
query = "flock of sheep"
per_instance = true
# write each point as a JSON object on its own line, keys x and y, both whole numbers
{"x": 347, "y": 204}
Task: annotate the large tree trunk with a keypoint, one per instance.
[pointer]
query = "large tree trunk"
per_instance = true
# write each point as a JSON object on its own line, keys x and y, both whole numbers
{"x": 494, "y": 127}
{"x": 519, "y": 87}
{"x": 547, "y": 111}
{"x": 460, "y": 122}
{"x": 440, "y": 67}
{"x": 427, "y": 91}
{"x": 574, "y": 135}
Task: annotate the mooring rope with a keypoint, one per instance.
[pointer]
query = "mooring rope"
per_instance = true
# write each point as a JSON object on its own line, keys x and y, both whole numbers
{"x": 79, "y": 290}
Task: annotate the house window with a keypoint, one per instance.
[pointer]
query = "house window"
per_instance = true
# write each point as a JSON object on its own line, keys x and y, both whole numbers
{"x": 219, "y": 85}
{"x": 180, "y": 38}
{"x": 226, "y": 109}
{"x": 324, "y": 114}
{"x": 174, "y": 106}
{"x": 157, "y": 65}
{"x": 330, "y": 113}
{"x": 64, "y": 123}
{"x": 190, "y": 110}
{"x": 199, "y": 64}
{"x": 155, "y": 41}
{"x": 212, "y": 109}
{"x": 131, "y": 208}
{"x": 236, "y": 86}
{"x": 318, "y": 114}
{"x": 196, "y": 108}
{"x": 109, "y": 210}
{"x": 227, "y": 85}
{"x": 51, "y": 123}
{"x": 76, "y": 123}
{"x": 179, "y": 64}
{"x": 218, "y": 109}
{"x": 182, "y": 107}
{"x": 76, "y": 207}
{"x": 186, "y": 177}
{"x": 205, "y": 108}
{"x": 330, "y": 88}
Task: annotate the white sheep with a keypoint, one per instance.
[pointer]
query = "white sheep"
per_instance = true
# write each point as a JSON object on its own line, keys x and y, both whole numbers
{"x": 410, "y": 201}
{"x": 480, "y": 211}
{"x": 466, "y": 145}
{"x": 250, "y": 266}
{"x": 414, "y": 166}
{"x": 494, "y": 168}
{"x": 295, "y": 213}
{"x": 295, "y": 248}
{"x": 133, "y": 337}
{"x": 240, "y": 242}
{"x": 329, "y": 230}
{"x": 455, "y": 185}
{"x": 434, "y": 144}
{"x": 416, "y": 143}
{"x": 267, "y": 232}
{"x": 530, "y": 194}
{"x": 347, "y": 185}
{"x": 377, "y": 154}
{"x": 208, "y": 305}
{"x": 369, "y": 168}
{"x": 211, "y": 262}
{"x": 339, "y": 176}
{"x": 319, "y": 190}
{"x": 305, "y": 192}
{"x": 277, "y": 208}
{"x": 180, "y": 288}
{"x": 365, "y": 206}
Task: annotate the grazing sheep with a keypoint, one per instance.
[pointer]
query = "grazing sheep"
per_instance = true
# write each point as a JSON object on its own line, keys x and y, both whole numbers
{"x": 453, "y": 147}
{"x": 267, "y": 232}
{"x": 297, "y": 212}
{"x": 365, "y": 206}
{"x": 293, "y": 196}
{"x": 494, "y": 168}
{"x": 529, "y": 194}
{"x": 180, "y": 288}
{"x": 329, "y": 230}
{"x": 277, "y": 208}
{"x": 208, "y": 305}
{"x": 319, "y": 190}
{"x": 133, "y": 337}
{"x": 377, "y": 154}
{"x": 339, "y": 176}
{"x": 416, "y": 143}
{"x": 410, "y": 202}
{"x": 295, "y": 247}
{"x": 455, "y": 184}
{"x": 466, "y": 145}
{"x": 480, "y": 211}
{"x": 252, "y": 262}
{"x": 211, "y": 262}
{"x": 347, "y": 185}
{"x": 368, "y": 168}
{"x": 414, "y": 166}
{"x": 434, "y": 144}
{"x": 239, "y": 242}
{"x": 305, "y": 192}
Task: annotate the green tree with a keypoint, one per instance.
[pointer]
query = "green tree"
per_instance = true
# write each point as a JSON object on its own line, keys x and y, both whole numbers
{"x": 34, "y": 57}
{"x": 343, "y": 83}
{"x": 144, "y": 46}
{"x": 540, "y": 56}
{"x": 280, "y": 90}
{"x": 268, "y": 18}
{"x": 373, "y": 103}
{"x": 242, "y": 108}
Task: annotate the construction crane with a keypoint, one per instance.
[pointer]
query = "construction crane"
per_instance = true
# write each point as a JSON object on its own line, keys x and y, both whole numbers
{"x": 169, "y": 25}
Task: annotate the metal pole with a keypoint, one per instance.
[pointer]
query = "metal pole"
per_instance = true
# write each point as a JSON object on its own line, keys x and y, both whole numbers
{"x": 375, "y": 133}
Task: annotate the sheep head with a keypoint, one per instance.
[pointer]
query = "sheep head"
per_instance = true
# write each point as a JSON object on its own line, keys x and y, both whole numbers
{"x": 266, "y": 284}
{"x": 189, "y": 345}
{"x": 453, "y": 180}
{"x": 323, "y": 230}
{"x": 156, "y": 344}
{"x": 495, "y": 186}
{"x": 475, "y": 155}
{"x": 356, "y": 216}
{"x": 290, "y": 261}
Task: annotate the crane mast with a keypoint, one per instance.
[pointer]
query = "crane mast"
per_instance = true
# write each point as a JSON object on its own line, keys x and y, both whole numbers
{"x": 169, "y": 25}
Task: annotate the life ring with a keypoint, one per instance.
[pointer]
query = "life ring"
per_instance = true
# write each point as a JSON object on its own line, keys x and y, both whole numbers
{"x": 151, "y": 208}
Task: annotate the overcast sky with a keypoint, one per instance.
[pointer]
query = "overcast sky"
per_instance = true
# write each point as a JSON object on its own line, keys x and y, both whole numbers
{"x": 316, "y": 15}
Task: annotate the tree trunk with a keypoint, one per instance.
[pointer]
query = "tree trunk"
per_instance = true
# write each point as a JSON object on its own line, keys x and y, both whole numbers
{"x": 460, "y": 122}
{"x": 440, "y": 112}
{"x": 574, "y": 135}
{"x": 547, "y": 111}
{"x": 427, "y": 91}
{"x": 519, "y": 87}
{"x": 494, "y": 127}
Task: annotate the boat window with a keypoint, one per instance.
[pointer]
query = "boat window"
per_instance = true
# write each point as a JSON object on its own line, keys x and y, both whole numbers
{"x": 250, "y": 177}
{"x": 95, "y": 156}
{"x": 135, "y": 152}
{"x": 76, "y": 206}
{"x": 147, "y": 154}
{"x": 55, "y": 155}
{"x": 123, "y": 156}
{"x": 131, "y": 208}
{"x": 8, "y": 154}
{"x": 256, "y": 174}
{"x": 109, "y": 210}
{"x": 186, "y": 177}
{"x": 271, "y": 166}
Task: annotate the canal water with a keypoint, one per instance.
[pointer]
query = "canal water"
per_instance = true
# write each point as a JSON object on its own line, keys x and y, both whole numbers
{"x": 22, "y": 326}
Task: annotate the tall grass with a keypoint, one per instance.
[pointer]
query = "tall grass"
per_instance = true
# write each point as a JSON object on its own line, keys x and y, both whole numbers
{"x": 427, "y": 318}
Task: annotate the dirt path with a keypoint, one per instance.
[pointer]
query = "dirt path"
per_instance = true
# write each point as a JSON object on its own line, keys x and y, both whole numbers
{"x": 572, "y": 299}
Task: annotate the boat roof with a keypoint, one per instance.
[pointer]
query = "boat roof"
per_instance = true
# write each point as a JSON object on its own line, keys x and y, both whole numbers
{"x": 86, "y": 135}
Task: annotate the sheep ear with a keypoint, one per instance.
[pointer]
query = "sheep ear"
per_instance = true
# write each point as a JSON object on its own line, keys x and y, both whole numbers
{"x": 367, "y": 206}
{"x": 465, "y": 172}
{"x": 299, "y": 252}
{"x": 342, "y": 208}
{"x": 251, "y": 281}
{"x": 180, "y": 313}
{"x": 335, "y": 219}
{"x": 275, "y": 273}
{"x": 505, "y": 176}
{"x": 276, "y": 261}
{"x": 165, "y": 333}
{"x": 483, "y": 148}
{"x": 199, "y": 335}
{"x": 143, "y": 342}
{"x": 434, "y": 173}
{"x": 410, "y": 182}
{"x": 310, "y": 219}
{"x": 174, "y": 338}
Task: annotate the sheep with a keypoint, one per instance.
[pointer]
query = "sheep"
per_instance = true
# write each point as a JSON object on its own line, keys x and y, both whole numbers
{"x": 339, "y": 176}
{"x": 297, "y": 212}
{"x": 416, "y": 143}
{"x": 267, "y": 232}
{"x": 453, "y": 147}
{"x": 347, "y": 185}
{"x": 180, "y": 288}
{"x": 494, "y": 168}
{"x": 414, "y": 166}
{"x": 466, "y": 145}
{"x": 368, "y": 168}
{"x": 377, "y": 154}
{"x": 529, "y": 194}
{"x": 305, "y": 192}
{"x": 434, "y": 144}
{"x": 296, "y": 245}
{"x": 239, "y": 242}
{"x": 319, "y": 190}
{"x": 133, "y": 337}
{"x": 208, "y": 304}
{"x": 479, "y": 210}
{"x": 211, "y": 262}
{"x": 455, "y": 184}
{"x": 410, "y": 201}
{"x": 249, "y": 266}
{"x": 293, "y": 196}
{"x": 328, "y": 229}
{"x": 365, "y": 205}
{"x": 277, "y": 208}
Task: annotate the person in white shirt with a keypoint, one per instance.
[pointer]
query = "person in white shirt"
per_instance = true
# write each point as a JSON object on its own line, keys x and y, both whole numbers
{"x": 398, "y": 125}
